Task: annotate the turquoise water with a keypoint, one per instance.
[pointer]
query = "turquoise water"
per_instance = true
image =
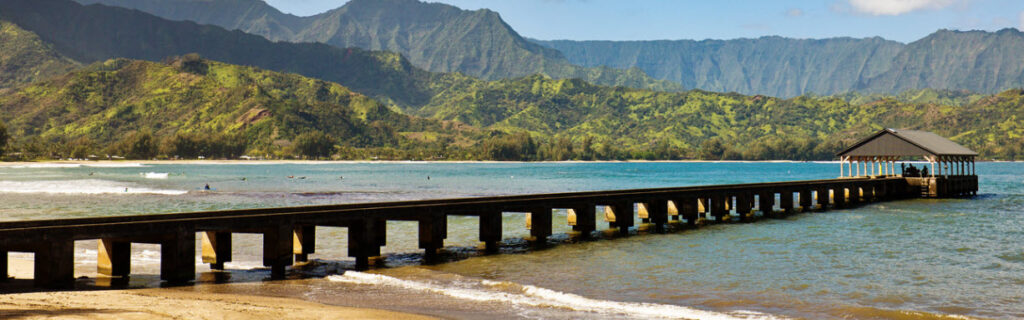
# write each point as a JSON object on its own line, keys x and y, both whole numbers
{"x": 904, "y": 259}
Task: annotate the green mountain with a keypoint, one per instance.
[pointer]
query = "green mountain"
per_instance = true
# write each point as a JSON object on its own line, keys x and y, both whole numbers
{"x": 192, "y": 98}
{"x": 433, "y": 36}
{"x": 193, "y": 104}
{"x": 24, "y": 58}
{"x": 96, "y": 33}
{"x": 979, "y": 61}
{"x": 750, "y": 127}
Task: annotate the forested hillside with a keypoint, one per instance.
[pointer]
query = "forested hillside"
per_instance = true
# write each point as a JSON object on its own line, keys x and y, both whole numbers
{"x": 190, "y": 107}
{"x": 433, "y": 36}
{"x": 696, "y": 123}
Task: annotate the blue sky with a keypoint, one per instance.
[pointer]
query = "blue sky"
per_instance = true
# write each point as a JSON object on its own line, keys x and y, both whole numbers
{"x": 900, "y": 20}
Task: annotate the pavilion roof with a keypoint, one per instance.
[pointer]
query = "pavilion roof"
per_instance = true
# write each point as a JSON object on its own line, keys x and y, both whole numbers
{"x": 893, "y": 142}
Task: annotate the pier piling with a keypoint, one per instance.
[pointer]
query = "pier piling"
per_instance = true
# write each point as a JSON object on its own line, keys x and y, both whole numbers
{"x": 767, "y": 204}
{"x": 490, "y": 230}
{"x": 278, "y": 249}
{"x": 621, "y": 216}
{"x": 216, "y": 249}
{"x": 432, "y": 233}
{"x": 178, "y": 256}
{"x": 55, "y": 264}
{"x": 540, "y": 224}
{"x": 114, "y": 258}
{"x": 304, "y": 242}
{"x": 586, "y": 219}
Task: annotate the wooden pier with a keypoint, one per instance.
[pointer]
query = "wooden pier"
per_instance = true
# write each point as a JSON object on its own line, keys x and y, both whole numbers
{"x": 289, "y": 233}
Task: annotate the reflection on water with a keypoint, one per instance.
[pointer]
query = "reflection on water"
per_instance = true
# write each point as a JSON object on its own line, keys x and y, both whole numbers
{"x": 906, "y": 259}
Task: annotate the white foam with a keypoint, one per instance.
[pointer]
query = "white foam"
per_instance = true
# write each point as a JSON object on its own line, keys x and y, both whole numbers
{"x": 154, "y": 175}
{"x": 532, "y": 296}
{"x": 88, "y": 186}
{"x": 44, "y": 165}
{"x": 243, "y": 265}
{"x": 51, "y": 165}
{"x": 114, "y": 165}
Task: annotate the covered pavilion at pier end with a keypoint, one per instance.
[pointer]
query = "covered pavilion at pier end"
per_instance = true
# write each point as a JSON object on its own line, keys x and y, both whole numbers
{"x": 949, "y": 169}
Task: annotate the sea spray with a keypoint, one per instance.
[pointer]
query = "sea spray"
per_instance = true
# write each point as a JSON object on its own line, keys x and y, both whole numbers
{"x": 532, "y": 296}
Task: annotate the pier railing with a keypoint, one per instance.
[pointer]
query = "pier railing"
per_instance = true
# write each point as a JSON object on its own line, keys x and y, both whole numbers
{"x": 289, "y": 233}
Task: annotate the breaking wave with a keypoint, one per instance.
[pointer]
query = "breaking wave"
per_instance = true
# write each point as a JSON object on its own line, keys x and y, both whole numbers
{"x": 532, "y": 296}
{"x": 74, "y": 165}
{"x": 155, "y": 175}
{"x": 88, "y": 186}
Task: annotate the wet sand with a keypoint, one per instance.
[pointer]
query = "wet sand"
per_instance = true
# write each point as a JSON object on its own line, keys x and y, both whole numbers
{"x": 169, "y": 303}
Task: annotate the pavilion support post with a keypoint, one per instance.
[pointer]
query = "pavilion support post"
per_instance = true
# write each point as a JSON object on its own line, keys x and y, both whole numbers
{"x": 55, "y": 264}
{"x": 490, "y": 230}
{"x": 114, "y": 258}
{"x": 178, "y": 256}
{"x": 216, "y": 249}
{"x": 304, "y": 242}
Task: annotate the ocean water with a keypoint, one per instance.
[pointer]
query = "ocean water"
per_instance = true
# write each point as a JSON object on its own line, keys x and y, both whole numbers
{"x": 912, "y": 259}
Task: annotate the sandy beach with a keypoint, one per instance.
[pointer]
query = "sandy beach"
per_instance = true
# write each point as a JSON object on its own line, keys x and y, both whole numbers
{"x": 168, "y": 303}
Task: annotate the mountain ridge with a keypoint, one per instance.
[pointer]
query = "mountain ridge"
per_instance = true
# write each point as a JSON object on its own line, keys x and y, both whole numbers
{"x": 433, "y": 36}
{"x": 95, "y": 33}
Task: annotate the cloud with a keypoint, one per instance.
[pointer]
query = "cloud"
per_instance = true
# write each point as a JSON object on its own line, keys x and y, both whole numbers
{"x": 794, "y": 12}
{"x": 896, "y": 7}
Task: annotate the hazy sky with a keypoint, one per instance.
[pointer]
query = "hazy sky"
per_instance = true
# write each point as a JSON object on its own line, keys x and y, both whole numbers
{"x": 901, "y": 20}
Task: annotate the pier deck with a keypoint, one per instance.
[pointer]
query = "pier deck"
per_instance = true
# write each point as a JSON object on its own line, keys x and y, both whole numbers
{"x": 289, "y": 233}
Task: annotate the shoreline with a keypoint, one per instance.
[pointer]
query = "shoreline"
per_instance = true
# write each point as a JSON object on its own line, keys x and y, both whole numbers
{"x": 314, "y": 162}
{"x": 170, "y": 303}
{"x": 271, "y": 162}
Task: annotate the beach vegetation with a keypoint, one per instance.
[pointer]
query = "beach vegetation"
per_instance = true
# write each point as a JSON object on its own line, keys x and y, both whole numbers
{"x": 314, "y": 145}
